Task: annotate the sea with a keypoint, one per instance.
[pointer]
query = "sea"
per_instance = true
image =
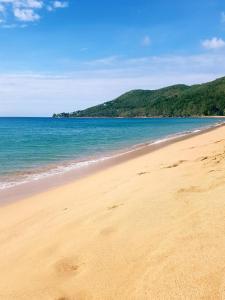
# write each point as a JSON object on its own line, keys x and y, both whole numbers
{"x": 34, "y": 148}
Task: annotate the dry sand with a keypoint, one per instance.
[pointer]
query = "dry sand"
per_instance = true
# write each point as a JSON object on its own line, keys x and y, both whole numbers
{"x": 152, "y": 227}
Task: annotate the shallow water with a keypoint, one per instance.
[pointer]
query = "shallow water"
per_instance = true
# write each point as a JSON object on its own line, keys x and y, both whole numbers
{"x": 32, "y": 148}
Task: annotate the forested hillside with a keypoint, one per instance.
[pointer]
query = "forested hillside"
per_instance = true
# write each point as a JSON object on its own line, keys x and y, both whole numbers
{"x": 206, "y": 99}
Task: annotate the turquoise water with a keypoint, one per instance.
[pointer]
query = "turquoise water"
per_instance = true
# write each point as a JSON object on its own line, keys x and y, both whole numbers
{"x": 35, "y": 147}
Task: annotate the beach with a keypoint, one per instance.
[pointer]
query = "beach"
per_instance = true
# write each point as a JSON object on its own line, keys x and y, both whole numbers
{"x": 150, "y": 227}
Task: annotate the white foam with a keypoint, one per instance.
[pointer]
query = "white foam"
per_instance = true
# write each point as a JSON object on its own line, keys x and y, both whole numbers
{"x": 51, "y": 172}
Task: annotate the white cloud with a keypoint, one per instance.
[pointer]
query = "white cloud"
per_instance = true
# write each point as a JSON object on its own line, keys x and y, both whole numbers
{"x": 223, "y": 17}
{"x": 26, "y": 15}
{"x": 35, "y": 3}
{"x": 105, "y": 61}
{"x": 26, "y": 10}
{"x": 57, "y": 4}
{"x": 2, "y": 8}
{"x": 60, "y": 4}
{"x": 214, "y": 43}
{"x": 146, "y": 41}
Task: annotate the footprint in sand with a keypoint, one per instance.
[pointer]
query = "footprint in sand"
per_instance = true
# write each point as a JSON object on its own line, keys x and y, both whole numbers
{"x": 79, "y": 295}
{"x": 191, "y": 189}
{"x": 175, "y": 164}
{"x": 218, "y": 141}
{"x": 196, "y": 189}
{"x": 66, "y": 266}
{"x": 114, "y": 206}
{"x": 107, "y": 231}
{"x": 204, "y": 158}
{"x": 211, "y": 171}
{"x": 143, "y": 173}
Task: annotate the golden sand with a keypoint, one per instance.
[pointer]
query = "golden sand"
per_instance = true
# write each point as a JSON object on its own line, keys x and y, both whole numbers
{"x": 152, "y": 227}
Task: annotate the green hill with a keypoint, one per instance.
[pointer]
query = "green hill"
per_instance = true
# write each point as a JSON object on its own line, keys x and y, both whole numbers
{"x": 206, "y": 99}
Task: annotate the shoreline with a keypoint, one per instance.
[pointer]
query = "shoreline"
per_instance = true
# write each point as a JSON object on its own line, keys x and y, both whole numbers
{"x": 149, "y": 227}
{"x": 50, "y": 117}
{"x": 140, "y": 117}
{"x": 34, "y": 187}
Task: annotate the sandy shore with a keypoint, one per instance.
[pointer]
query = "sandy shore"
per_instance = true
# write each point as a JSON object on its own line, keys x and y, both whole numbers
{"x": 152, "y": 227}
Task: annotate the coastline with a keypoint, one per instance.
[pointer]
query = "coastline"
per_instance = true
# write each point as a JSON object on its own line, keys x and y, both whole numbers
{"x": 150, "y": 227}
{"x": 27, "y": 189}
{"x": 141, "y": 117}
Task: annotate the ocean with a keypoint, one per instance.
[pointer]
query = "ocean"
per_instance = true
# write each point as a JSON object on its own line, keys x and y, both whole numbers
{"x": 33, "y": 148}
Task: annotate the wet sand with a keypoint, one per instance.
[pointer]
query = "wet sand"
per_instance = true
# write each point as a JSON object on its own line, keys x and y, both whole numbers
{"x": 149, "y": 227}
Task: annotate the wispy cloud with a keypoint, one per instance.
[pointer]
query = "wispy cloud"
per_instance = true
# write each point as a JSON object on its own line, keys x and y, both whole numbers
{"x": 26, "y": 15}
{"x": 101, "y": 80}
{"x": 146, "y": 41}
{"x": 57, "y": 4}
{"x": 105, "y": 61}
{"x": 17, "y": 11}
{"x": 60, "y": 4}
{"x": 45, "y": 95}
{"x": 223, "y": 17}
{"x": 214, "y": 43}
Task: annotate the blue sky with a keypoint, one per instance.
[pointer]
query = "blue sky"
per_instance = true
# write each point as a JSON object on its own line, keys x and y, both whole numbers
{"x": 66, "y": 55}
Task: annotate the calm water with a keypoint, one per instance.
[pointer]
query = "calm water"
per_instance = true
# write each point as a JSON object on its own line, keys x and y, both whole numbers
{"x": 35, "y": 147}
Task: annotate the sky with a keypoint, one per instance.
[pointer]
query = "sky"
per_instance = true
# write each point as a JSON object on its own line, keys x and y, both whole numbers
{"x": 66, "y": 55}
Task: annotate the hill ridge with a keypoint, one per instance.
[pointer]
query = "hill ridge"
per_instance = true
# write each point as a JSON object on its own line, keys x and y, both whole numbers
{"x": 179, "y": 100}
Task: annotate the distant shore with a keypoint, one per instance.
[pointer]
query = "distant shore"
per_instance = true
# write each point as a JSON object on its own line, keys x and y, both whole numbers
{"x": 140, "y": 117}
{"x": 177, "y": 100}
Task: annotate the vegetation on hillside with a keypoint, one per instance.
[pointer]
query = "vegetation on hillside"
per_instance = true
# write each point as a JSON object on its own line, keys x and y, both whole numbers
{"x": 206, "y": 99}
